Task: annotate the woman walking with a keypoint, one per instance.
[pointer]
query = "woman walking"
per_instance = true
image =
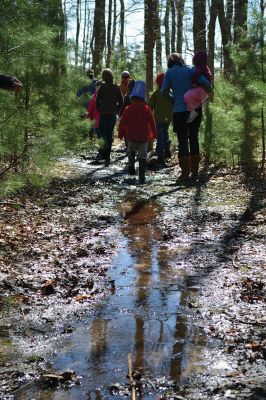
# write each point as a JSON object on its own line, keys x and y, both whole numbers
{"x": 109, "y": 102}
{"x": 179, "y": 78}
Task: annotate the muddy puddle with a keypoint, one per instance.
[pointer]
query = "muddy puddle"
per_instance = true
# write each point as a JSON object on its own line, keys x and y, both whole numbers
{"x": 142, "y": 323}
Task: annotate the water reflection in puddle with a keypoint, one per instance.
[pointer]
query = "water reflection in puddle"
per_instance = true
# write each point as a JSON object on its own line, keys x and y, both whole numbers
{"x": 142, "y": 317}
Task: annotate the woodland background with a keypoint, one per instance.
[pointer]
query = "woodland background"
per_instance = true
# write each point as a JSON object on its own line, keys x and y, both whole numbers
{"x": 44, "y": 120}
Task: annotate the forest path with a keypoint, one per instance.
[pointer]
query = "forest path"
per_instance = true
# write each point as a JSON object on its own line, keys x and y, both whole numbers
{"x": 96, "y": 267}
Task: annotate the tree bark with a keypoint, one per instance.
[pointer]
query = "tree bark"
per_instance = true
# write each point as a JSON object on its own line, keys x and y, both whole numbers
{"x": 240, "y": 20}
{"x": 262, "y": 10}
{"x": 173, "y": 26}
{"x": 77, "y": 31}
{"x": 211, "y": 35}
{"x": 85, "y": 34}
{"x": 199, "y": 24}
{"x": 208, "y": 136}
{"x": 166, "y": 28}
{"x": 180, "y": 15}
{"x": 109, "y": 38}
{"x": 114, "y": 26}
{"x": 229, "y": 15}
{"x": 226, "y": 37}
{"x": 98, "y": 35}
{"x": 158, "y": 40}
{"x": 122, "y": 24}
{"x": 150, "y": 12}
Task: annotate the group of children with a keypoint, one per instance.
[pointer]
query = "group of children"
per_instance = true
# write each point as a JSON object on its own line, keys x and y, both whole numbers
{"x": 140, "y": 121}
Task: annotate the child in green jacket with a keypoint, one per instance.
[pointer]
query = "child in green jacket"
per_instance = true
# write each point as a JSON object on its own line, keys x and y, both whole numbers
{"x": 162, "y": 111}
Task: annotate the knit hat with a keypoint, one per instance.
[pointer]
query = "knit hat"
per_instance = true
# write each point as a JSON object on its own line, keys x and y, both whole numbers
{"x": 139, "y": 90}
{"x": 200, "y": 58}
{"x": 125, "y": 74}
{"x": 159, "y": 79}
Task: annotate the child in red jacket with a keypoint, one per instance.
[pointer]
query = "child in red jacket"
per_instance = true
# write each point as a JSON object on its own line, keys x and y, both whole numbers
{"x": 137, "y": 126}
{"x": 92, "y": 112}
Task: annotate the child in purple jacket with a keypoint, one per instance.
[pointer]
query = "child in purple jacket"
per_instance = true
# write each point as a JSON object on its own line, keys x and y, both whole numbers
{"x": 196, "y": 96}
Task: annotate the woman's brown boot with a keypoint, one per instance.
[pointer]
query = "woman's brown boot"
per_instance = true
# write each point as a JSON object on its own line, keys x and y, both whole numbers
{"x": 194, "y": 165}
{"x": 185, "y": 167}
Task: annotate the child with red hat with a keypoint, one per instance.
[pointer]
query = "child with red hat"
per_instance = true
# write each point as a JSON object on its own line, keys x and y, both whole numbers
{"x": 163, "y": 113}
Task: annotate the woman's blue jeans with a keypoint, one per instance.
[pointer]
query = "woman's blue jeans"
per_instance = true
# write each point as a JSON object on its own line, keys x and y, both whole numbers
{"x": 162, "y": 137}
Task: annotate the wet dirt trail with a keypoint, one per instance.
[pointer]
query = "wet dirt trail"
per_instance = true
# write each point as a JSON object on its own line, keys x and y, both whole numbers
{"x": 142, "y": 318}
{"x": 161, "y": 263}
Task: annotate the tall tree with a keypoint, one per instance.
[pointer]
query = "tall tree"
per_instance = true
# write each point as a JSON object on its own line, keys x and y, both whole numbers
{"x": 241, "y": 18}
{"x": 173, "y": 26}
{"x": 150, "y": 34}
{"x": 114, "y": 26}
{"x": 122, "y": 24}
{"x": 226, "y": 36}
{"x": 180, "y": 16}
{"x": 166, "y": 28}
{"x": 86, "y": 30}
{"x": 98, "y": 35}
{"x": 199, "y": 24}
{"x": 262, "y": 44}
{"x": 78, "y": 12}
{"x": 208, "y": 138}
{"x": 158, "y": 40}
{"x": 229, "y": 15}
{"x": 109, "y": 35}
{"x": 213, "y": 12}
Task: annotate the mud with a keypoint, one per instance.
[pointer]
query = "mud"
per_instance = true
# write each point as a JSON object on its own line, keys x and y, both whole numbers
{"x": 97, "y": 267}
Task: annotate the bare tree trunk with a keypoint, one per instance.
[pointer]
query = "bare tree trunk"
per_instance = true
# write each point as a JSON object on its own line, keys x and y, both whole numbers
{"x": 199, "y": 24}
{"x": 180, "y": 15}
{"x": 77, "y": 31}
{"x": 114, "y": 26}
{"x": 226, "y": 35}
{"x": 150, "y": 12}
{"x": 241, "y": 18}
{"x": 208, "y": 137}
{"x": 229, "y": 15}
{"x": 262, "y": 10}
{"x": 166, "y": 28}
{"x": 85, "y": 34}
{"x": 173, "y": 26}
{"x": 158, "y": 41}
{"x": 109, "y": 38}
{"x": 211, "y": 35}
{"x": 98, "y": 35}
{"x": 65, "y": 19}
{"x": 87, "y": 57}
{"x": 122, "y": 23}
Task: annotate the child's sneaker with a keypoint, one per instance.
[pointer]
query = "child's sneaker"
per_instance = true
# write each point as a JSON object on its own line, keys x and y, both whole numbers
{"x": 192, "y": 116}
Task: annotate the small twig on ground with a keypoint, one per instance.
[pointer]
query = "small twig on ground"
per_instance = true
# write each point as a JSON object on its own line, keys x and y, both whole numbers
{"x": 11, "y": 204}
{"x": 133, "y": 391}
{"x": 235, "y": 265}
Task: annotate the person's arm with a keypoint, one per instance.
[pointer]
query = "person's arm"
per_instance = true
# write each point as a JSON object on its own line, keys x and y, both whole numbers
{"x": 98, "y": 100}
{"x": 152, "y": 102}
{"x": 152, "y": 124}
{"x": 122, "y": 124}
{"x": 9, "y": 82}
{"x": 203, "y": 82}
{"x": 120, "y": 100}
{"x": 166, "y": 87}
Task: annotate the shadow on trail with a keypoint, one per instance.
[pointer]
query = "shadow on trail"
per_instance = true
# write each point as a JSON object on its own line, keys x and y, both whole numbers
{"x": 230, "y": 241}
